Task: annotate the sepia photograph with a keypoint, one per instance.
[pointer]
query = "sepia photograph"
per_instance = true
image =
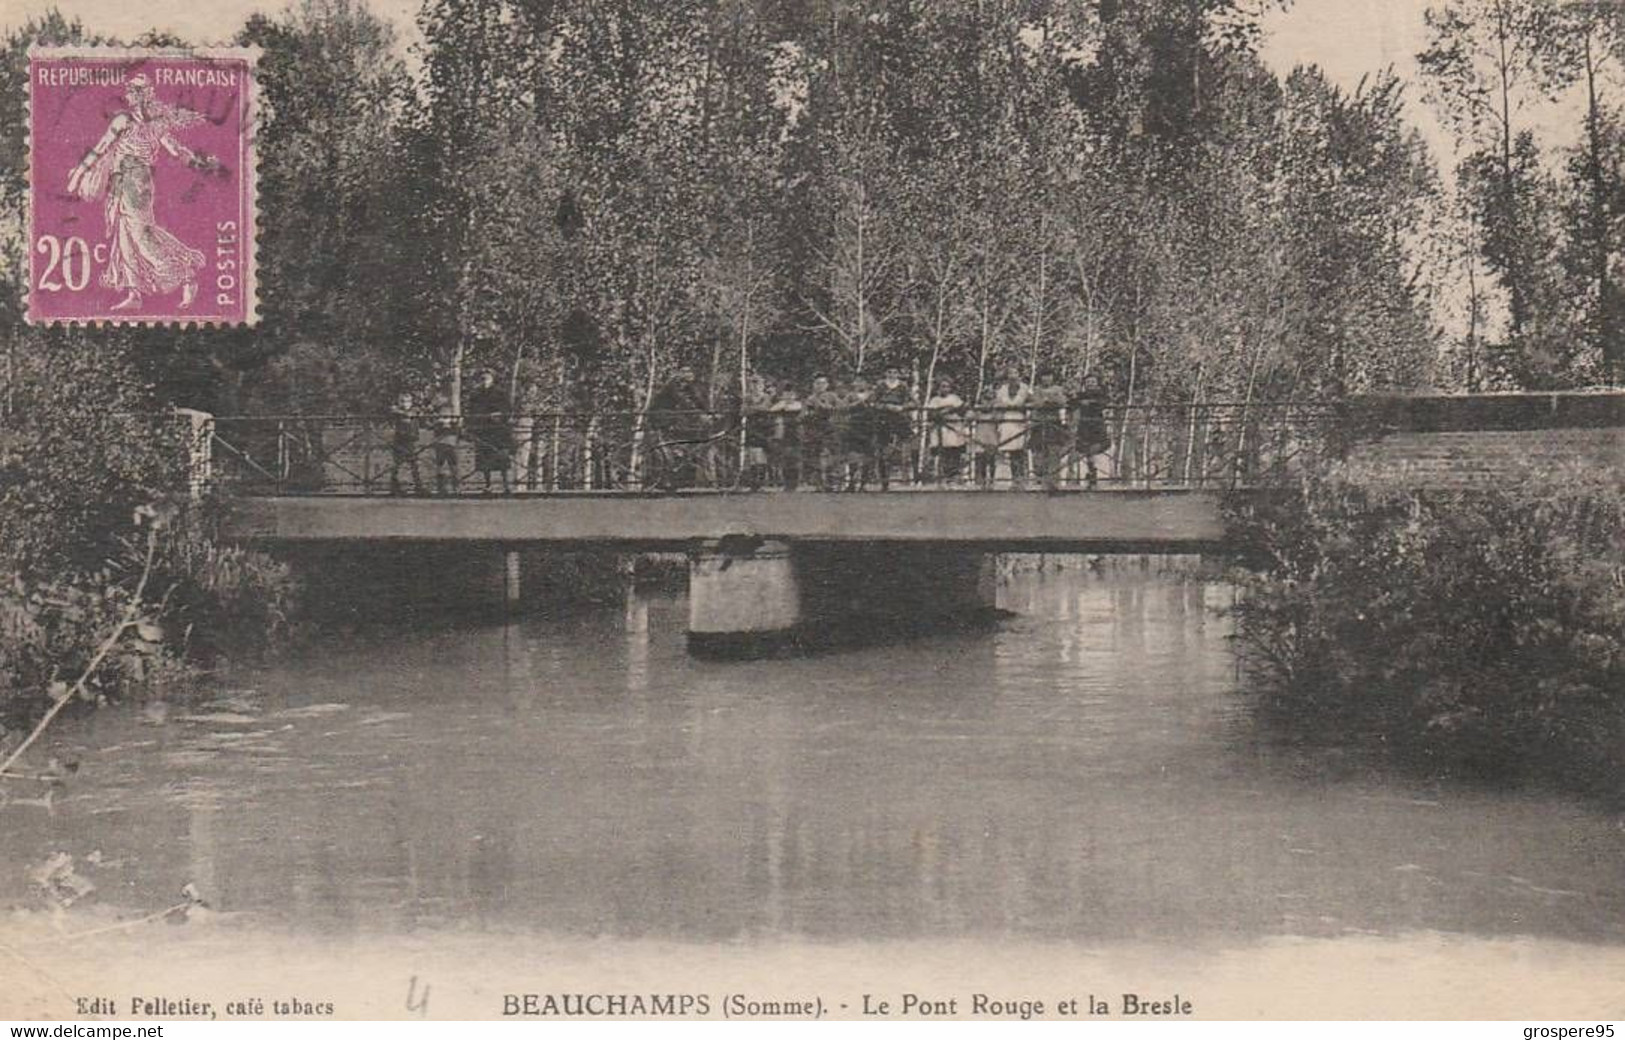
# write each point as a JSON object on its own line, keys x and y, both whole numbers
{"x": 878, "y": 510}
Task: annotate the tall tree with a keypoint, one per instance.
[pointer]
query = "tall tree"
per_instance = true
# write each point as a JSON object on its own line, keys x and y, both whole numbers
{"x": 1580, "y": 54}
{"x": 1482, "y": 58}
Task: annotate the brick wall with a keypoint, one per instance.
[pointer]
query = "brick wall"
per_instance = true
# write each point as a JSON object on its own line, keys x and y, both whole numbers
{"x": 1482, "y": 457}
{"x": 1478, "y": 440}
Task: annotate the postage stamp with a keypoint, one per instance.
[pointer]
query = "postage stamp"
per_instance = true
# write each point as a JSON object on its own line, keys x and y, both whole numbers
{"x": 141, "y": 185}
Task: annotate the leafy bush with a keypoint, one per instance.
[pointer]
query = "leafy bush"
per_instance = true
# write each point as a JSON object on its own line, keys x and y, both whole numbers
{"x": 201, "y": 598}
{"x": 1482, "y": 630}
{"x": 83, "y": 444}
{"x": 90, "y": 464}
{"x": 224, "y": 597}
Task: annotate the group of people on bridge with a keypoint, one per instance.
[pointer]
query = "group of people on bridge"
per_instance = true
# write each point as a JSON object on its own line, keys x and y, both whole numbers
{"x": 853, "y": 434}
{"x": 830, "y": 435}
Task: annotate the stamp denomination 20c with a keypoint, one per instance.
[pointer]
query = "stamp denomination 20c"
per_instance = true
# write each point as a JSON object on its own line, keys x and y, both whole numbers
{"x": 141, "y": 185}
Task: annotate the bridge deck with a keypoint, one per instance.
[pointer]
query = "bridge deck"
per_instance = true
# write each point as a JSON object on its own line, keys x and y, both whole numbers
{"x": 1173, "y": 521}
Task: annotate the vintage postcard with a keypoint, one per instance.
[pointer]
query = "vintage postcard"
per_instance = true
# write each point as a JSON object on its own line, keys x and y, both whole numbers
{"x": 883, "y": 510}
{"x": 141, "y": 184}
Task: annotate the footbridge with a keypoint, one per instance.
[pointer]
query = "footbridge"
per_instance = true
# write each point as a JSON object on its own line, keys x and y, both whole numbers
{"x": 789, "y": 517}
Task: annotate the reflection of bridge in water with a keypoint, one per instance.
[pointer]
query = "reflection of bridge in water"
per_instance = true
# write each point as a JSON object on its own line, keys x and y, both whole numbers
{"x": 767, "y": 559}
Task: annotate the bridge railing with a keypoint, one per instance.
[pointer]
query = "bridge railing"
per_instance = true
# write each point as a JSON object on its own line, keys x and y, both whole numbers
{"x": 1155, "y": 446}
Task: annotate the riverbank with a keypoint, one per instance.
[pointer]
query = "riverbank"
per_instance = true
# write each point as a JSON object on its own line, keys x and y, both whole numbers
{"x": 170, "y": 603}
{"x": 1468, "y": 633}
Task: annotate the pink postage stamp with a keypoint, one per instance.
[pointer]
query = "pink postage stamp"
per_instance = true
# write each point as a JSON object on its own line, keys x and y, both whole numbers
{"x": 141, "y": 185}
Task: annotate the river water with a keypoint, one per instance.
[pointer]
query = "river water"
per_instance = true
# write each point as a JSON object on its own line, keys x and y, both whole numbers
{"x": 1082, "y": 774}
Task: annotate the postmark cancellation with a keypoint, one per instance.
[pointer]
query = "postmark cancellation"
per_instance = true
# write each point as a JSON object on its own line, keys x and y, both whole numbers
{"x": 141, "y": 185}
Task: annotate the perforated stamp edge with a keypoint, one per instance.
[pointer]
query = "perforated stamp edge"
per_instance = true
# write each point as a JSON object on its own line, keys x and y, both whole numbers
{"x": 249, "y": 238}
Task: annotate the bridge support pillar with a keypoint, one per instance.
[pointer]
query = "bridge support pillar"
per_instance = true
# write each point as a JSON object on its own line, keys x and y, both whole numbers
{"x": 742, "y": 594}
{"x": 749, "y": 595}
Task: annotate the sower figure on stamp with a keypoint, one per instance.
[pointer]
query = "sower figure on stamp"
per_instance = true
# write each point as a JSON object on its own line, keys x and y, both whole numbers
{"x": 143, "y": 258}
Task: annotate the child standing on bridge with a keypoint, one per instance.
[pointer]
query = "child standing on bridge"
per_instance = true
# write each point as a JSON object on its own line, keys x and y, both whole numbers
{"x": 488, "y": 426}
{"x": 894, "y": 422}
{"x": 403, "y": 444}
{"x": 784, "y": 443}
{"x": 820, "y": 437}
{"x": 444, "y": 445}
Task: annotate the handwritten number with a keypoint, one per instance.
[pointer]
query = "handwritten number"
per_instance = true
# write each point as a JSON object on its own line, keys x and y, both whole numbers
{"x": 417, "y": 1003}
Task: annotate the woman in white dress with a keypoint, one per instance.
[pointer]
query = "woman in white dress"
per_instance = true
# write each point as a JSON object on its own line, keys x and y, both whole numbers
{"x": 1009, "y": 403}
{"x": 946, "y": 438}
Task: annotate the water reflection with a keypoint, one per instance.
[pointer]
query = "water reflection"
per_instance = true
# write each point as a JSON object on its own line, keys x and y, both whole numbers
{"x": 1081, "y": 772}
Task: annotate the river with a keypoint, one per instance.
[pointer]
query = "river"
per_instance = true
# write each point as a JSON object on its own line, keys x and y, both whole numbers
{"x": 1081, "y": 779}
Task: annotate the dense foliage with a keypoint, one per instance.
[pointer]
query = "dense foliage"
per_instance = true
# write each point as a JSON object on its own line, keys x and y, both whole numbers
{"x": 617, "y": 188}
{"x": 1481, "y": 630}
{"x": 89, "y": 461}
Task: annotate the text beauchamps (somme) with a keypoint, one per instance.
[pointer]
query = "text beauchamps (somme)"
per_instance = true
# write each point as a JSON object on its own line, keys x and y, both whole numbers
{"x": 606, "y": 1005}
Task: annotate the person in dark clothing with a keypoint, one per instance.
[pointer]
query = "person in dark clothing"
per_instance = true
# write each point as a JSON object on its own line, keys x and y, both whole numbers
{"x": 678, "y": 415}
{"x": 1048, "y": 438}
{"x": 949, "y": 431}
{"x": 784, "y": 444}
{"x": 1092, "y": 435}
{"x": 894, "y": 407}
{"x": 487, "y": 426}
{"x": 444, "y": 445}
{"x": 1007, "y": 438}
{"x": 820, "y": 435}
{"x": 858, "y": 420}
{"x": 403, "y": 444}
